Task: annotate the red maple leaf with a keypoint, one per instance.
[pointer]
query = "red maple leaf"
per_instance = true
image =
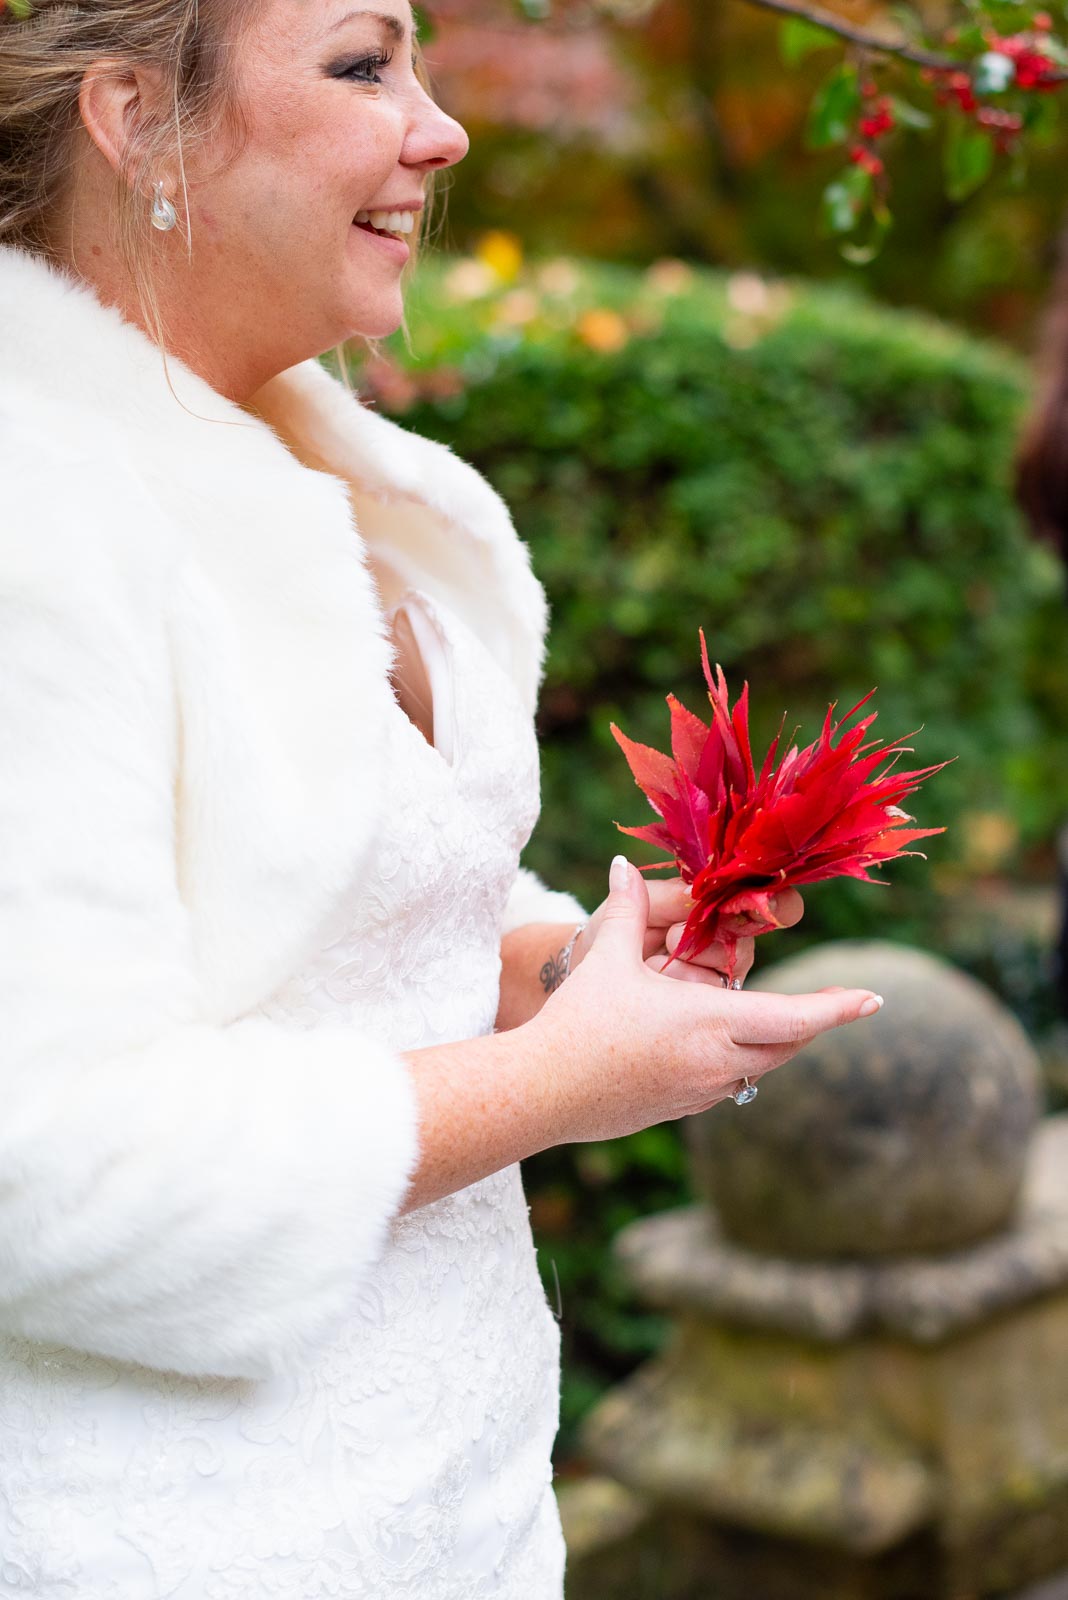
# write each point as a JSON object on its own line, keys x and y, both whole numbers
{"x": 738, "y": 836}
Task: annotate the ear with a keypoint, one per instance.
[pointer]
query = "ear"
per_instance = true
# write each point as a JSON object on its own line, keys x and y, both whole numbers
{"x": 120, "y": 103}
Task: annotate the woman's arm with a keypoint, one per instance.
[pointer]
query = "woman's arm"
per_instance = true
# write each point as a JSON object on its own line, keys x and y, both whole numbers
{"x": 617, "y": 1047}
{"x": 187, "y": 1195}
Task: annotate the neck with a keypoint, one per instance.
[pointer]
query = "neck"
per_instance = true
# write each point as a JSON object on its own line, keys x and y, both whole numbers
{"x": 173, "y": 299}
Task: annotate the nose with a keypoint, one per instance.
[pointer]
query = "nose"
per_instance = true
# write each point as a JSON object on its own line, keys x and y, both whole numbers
{"x": 434, "y": 138}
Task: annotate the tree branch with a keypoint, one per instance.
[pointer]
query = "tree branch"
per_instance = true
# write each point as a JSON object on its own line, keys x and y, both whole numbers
{"x": 868, "y": 41}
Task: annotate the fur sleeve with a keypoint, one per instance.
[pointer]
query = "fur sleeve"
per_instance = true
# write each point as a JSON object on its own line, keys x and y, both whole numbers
{"x": 191, "y": 1197}
{"x": 531, "y": 901}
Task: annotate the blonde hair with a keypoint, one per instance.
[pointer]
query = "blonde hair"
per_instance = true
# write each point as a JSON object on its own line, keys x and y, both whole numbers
{"x": 46, "y": 48}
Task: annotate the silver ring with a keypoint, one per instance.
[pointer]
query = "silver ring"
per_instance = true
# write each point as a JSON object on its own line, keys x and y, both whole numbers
{"x": 746, "y": 1092}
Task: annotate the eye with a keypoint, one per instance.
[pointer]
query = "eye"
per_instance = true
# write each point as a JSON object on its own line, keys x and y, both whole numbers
{"x": 366, "y": 69}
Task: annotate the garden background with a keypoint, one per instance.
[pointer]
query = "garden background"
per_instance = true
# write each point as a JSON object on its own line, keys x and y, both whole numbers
{"x": 702, "y": 416}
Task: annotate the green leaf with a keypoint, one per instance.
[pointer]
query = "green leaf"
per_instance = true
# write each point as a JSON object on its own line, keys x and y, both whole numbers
{"x": 798, "y": 38}
{"x": 971, "y": 37}
{"x": 20, "y": 9}
{"x": 846, "y": 199}
{"x": 834, "y": 112}
{"x": 1041, "y": 116}
{"x": 969, "y": 158}
{"x": 861, "y": 252}
{"x": 909, "y": 116}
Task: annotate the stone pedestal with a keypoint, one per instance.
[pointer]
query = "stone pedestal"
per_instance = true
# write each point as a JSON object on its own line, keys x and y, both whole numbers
{"x": 879, "y": 1427}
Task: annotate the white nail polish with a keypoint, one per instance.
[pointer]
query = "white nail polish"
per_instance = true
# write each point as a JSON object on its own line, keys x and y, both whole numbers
{"x": 619, "y": 873}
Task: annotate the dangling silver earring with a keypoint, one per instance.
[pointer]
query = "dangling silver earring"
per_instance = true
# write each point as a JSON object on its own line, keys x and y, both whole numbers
{"x": 164, "y": 215}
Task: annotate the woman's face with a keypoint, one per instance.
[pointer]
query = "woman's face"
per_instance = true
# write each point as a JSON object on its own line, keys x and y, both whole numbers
{"x": 340, "y": 136}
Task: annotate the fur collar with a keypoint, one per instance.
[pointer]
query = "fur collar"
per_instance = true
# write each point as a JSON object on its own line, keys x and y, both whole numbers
{"x": 449, "y": 530}
{"x": 270, "y": 523}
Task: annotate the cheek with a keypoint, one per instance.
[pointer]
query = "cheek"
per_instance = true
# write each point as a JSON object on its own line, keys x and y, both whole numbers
{"x": 303, "y": 169}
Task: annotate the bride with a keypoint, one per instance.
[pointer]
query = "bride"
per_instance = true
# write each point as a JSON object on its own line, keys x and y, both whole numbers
{"x": 281, "y": 1013}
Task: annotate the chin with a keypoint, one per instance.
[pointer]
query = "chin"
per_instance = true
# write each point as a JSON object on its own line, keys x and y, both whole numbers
{"x": 376, "y": 322}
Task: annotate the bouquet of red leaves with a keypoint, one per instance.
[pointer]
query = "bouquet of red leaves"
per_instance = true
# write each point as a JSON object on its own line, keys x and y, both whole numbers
{"x": 737, "y": 837}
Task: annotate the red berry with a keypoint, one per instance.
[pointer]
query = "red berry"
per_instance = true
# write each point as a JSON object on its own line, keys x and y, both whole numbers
{"x": 867, "y": 160}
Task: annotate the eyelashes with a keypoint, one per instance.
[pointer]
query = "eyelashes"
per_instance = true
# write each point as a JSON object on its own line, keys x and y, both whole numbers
{"x": 366, "y": 69}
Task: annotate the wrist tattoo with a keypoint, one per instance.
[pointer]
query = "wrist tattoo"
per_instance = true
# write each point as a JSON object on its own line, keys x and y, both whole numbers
{"x": 554, "y": 972}
{"x": 556, "y": 969}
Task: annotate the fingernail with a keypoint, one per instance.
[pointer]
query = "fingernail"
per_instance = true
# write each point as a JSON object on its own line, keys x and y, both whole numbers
{"x": 870, "y": 1007}
{"x": 619, "y": 873}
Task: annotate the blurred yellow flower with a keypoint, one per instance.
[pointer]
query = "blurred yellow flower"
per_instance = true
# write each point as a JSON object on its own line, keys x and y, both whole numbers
{"x": 747, "y": 293}
{"x": 502, "y": 253}
{"x": 517, "y": 308}
{"x": 469, "y": 280}
{"x": 668, "y": 276}
{"x": 603, "y": 330}
{"x": 559, "y": 277}
{"x": 753, "y": 296}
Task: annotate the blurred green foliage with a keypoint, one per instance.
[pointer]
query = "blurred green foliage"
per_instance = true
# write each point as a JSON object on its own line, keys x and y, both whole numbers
{"x": 679, "y": 128}
{"x": 825, "y": 487}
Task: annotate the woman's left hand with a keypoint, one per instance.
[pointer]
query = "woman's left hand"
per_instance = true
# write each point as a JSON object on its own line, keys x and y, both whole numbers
{"x": 669, "y": 906}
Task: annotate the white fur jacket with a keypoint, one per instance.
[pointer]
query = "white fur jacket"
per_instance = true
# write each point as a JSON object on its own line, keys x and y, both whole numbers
{"x": 193, "y": 677}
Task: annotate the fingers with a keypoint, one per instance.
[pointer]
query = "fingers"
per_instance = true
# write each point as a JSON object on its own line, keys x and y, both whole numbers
{"x": 669, "y": 901}
{"x": 773, "y": 1019}
{"x": 625, "y": 912}
{"x": 716, "y": 958}
{"x": 684, "y": 971}
{"x": 789, "y": 907}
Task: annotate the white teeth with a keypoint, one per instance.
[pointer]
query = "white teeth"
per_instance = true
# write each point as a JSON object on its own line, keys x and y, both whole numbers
{"x": 389, "y": 221}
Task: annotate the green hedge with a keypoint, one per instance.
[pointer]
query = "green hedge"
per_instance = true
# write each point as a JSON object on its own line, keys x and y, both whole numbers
{"x": 821, "y": 484}
{"x": 824, "y": 486}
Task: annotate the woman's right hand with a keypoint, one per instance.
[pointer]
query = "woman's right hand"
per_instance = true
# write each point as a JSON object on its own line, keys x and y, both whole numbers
{"x": 632, "y": 1047}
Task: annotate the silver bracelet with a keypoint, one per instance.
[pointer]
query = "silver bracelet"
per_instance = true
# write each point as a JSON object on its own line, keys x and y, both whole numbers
{"x": 568, "y": 950}
{"x": 557, "y": 968}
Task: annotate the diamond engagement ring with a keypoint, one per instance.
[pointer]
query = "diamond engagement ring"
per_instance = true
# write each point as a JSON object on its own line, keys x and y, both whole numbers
{"x": 746, "y": 1092}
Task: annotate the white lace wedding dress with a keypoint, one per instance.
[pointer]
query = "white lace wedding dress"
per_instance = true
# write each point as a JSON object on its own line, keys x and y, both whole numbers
{"x": 409, "y": 1459}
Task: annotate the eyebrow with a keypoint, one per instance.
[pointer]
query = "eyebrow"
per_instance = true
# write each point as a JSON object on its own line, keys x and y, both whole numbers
{"x": 393, "y": 25}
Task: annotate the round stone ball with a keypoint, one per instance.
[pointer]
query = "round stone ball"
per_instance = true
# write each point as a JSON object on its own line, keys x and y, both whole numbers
{"x": 901, "y": 1134}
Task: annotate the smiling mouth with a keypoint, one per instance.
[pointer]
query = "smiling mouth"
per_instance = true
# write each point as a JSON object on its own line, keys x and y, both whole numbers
{"x": 390, "y": 224}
